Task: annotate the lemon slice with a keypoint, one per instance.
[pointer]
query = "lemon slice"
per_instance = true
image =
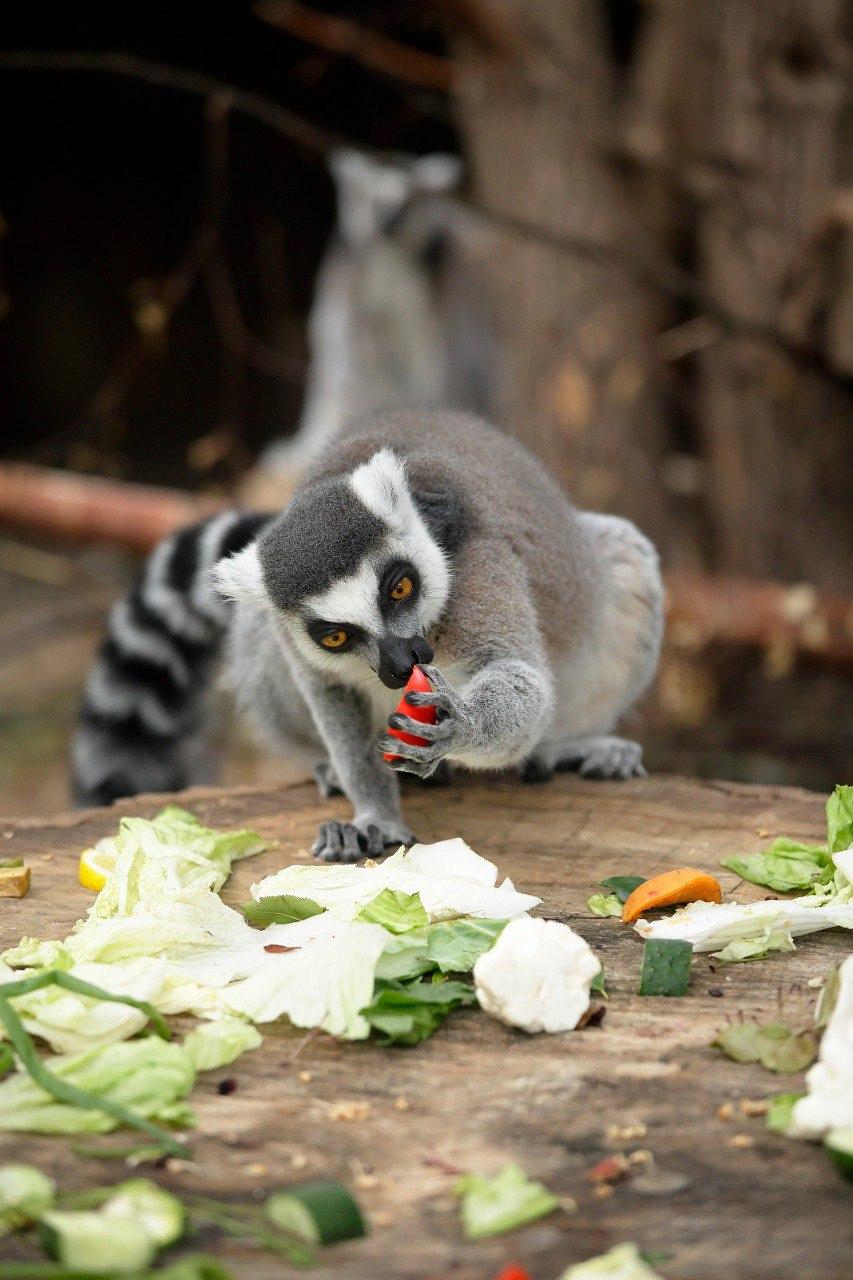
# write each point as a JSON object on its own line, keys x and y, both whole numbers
{"x": 97, "y": 863}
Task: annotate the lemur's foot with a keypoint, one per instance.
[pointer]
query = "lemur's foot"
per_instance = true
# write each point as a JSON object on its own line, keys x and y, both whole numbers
{"x": 327, "y": 780}
{"x": 604, "y": 757}
{"x": 536, "y": 769}
{"x": 365, "y": 838}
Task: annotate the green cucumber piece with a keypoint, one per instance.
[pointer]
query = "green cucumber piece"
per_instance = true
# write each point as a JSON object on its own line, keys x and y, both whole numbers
{"x": 666, "y": 967}
{"x": 320, "y": 1212}
{"x": 839, "y": 1144}
{"x": 88, "y": 1240}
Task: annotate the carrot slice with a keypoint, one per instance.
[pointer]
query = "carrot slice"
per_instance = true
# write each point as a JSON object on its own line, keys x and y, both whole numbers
{"x": 685, "y": 884}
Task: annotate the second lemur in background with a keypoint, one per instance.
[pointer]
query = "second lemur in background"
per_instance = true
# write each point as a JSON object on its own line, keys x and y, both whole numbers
{"x": 416, "y": 538}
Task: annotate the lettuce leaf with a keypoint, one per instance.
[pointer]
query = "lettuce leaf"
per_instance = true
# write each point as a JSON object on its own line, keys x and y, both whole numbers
{"x": 281, "y": 908}
{"x": 450, "y": 879}
{"x": 785, "y": 866}
{"x": 491, "y": 1206}
{"x": 455, "y": 946}
{"x": 149, "y": 1076}
{"x": 407, "y": 1013}
{"x": 395, "y": 911}
{"x": 25, "y": 1193}
{"x": 605, "y": 904}
{"x": 625, "y": 1262}
{"x": 839, "y": 819}
{"x": 774, "y": 1045}
{"x": 781, "y": 1110}
{"x": 216, "y": 1044}
{"x": 322, "y": 985}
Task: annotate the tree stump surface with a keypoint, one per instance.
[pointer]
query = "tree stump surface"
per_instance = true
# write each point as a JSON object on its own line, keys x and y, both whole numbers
{"x": 478, "y": 1094}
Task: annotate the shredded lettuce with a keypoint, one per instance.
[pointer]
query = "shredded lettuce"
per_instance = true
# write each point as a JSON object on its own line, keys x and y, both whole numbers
{"x": 774, "y": 1045}
{"x": 785, "y": 866}
{"x": 450, "y": 879}
{"x": 828, "y": 1103}
{"x": 216, "y": 1044}
{"x": 395, "y": 911}
{"x": 25, "y": 1193}
{"x": 491, "y": 1206}
{"x": 408, "y": 1012}
{"x": 604, "y": 904}
{"x": 149, "y": 1076}
{"x": 839, "y": 819}
{"x": 454, "y": 946}
{"x": 625, "y": 1262}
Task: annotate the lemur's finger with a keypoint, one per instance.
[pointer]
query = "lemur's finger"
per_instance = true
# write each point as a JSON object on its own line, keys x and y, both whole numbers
{"x": 441, "y": 701}
{"x": 407, "y": 750}
{"x": 430, "y": 732}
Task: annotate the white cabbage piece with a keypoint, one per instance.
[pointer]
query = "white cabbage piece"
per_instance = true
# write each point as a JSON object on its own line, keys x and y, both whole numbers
{"x": 325, "y": 984}
{"x": 828, "y": 1103}
{"x": 451, "y": 879}
{"x": 537, "y": 976}
{"x": 217, "y": 1044}
{"x": 622, "y": 1263}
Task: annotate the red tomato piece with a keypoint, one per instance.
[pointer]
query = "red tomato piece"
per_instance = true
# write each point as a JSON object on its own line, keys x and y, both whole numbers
{"x": 417, "y": 683}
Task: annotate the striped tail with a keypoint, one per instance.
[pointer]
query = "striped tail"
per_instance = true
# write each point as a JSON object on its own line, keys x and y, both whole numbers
{"x": 139, "y": 727}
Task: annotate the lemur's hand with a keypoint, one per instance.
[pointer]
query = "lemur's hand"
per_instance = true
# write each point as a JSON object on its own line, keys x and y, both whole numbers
{"x": 449, "y": 734}
{"x": 364, "y": 837}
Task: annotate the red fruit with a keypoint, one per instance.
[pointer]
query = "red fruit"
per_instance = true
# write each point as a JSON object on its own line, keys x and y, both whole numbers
{"x": 417, "y": 683}
{"x": 513, "y": 1273}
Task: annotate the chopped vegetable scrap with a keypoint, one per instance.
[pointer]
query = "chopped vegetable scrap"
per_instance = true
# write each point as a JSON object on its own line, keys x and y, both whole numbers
{"x": 537, "y": 976}
{"x": 513, "y": 1273}
{"x": 625, "y": 1262}
{"x": 491, "y": 1206}
{"x": 789, "y": 864}
{"x": 774, "y": 1045}
{"x": 407, "y": 1012}
{"x": 610, "y": 904}
{"x": 15, "y": 877}
{"x": 666, "y": 967}
{"x": 828, "y": 1103}
{"x": 120, "y": 1230}
{"x": 672, "y": 887}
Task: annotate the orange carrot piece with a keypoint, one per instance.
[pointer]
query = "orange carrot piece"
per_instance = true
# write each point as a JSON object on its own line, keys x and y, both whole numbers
{"x": 686, "y": 884}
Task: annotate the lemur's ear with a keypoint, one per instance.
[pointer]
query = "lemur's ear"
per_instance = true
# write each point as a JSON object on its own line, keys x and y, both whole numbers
{"x": 239, "y": 577}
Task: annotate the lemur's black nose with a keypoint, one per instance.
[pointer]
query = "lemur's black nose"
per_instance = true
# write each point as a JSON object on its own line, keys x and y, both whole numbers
{"x": 397, "y": 656}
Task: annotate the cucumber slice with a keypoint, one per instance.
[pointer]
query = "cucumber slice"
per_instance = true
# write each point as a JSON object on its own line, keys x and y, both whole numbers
{"x": 666, "y": 967}
{"x": 161, "y": 1214}
{"x": 839, "y": 1144}
{"x": 320, "y": 1212}
{"x": 90, "y": 1241}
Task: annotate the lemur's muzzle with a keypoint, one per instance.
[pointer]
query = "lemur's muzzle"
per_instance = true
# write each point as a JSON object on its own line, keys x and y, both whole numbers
{"x": 397, "y": 656}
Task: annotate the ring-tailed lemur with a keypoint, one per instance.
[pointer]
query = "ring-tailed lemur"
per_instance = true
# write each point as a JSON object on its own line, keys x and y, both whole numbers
{"x": 415, "y": 539}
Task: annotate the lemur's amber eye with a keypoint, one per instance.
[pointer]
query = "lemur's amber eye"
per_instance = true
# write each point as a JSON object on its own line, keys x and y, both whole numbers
{"x": 334, "y": 640}
{"x": 402, "y": 588}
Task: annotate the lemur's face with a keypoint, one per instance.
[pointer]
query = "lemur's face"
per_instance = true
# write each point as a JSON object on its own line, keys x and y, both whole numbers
{"x": 352, "y": 574}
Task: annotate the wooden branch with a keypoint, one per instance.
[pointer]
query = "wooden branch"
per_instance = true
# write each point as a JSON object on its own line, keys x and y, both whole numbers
{"x": 702, "y": 609}
{"x": 79, "y": 508}
{"x": 344, "y": 38}
{"x": 799, "y": 619}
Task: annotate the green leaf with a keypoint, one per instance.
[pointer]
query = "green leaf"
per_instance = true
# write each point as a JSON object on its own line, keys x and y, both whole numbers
{"x": 666, "y": 967}
{"x": 779, "y": 1112}
{"x": 491, "y": 1206}
{"x": 456, "y": 945}
{"x": 281, "y": 908}
{"x": 25, "y": 1193}
{"x": 601, "y": 904}
{"x": 622, "y": 886}
{"x": 406, "y": 1013}
{"x": 395, "y": 911}
{"x": 774, "y": 1045}
{"x": 785, "y": 866}
{"x": 596, "y": 987}
{"x": 7, "y": 1060}
{"x": 828, "y": 998}
{"x": 217, "y": 1044}
{"x": 754, "y": 948}
{"x": 839, "y": 819}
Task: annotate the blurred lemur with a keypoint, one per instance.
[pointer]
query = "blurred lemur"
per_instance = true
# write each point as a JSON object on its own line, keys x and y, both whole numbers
{"x": 415, "y": 538}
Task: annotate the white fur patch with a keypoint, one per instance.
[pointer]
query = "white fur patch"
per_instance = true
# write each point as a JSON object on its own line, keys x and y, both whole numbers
{"x": 352, "y": 599}
{"x": 380, "y": 485}
{"x": 239, "y": 577}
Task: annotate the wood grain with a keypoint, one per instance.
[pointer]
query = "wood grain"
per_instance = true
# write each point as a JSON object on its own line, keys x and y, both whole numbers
{"x": 478, "y": 1094}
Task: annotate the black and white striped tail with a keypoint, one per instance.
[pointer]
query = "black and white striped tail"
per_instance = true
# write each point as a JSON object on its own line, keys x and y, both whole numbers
{"x": 143, "y": 706}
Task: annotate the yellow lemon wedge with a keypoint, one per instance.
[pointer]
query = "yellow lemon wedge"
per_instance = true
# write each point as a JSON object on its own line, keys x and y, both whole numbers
{"x": 96, "y": 864}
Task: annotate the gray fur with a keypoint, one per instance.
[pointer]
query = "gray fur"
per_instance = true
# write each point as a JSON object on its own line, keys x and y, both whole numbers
{"x": 545, "y": 621}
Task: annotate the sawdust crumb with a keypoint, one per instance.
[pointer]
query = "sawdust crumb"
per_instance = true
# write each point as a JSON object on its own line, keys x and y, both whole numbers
{"x": 401, "y": 1104}
{"x": 642, "y": 1156}
{"x": 306, "y": 1076}
{"x": 255, "y": 1170}
{"x": 741, "y": 1141}
{"x": 726, "y": 1111}
{"x": 602, "y": 1191}
{"x": 754, "y": 1106}
{"x": 349, "y": 1110}
{"x": 298, "y": 1160}
{"x": 367, "y": 1181}
{"x": 381, "y": 1220}
{"x": 619, "y": 1133}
